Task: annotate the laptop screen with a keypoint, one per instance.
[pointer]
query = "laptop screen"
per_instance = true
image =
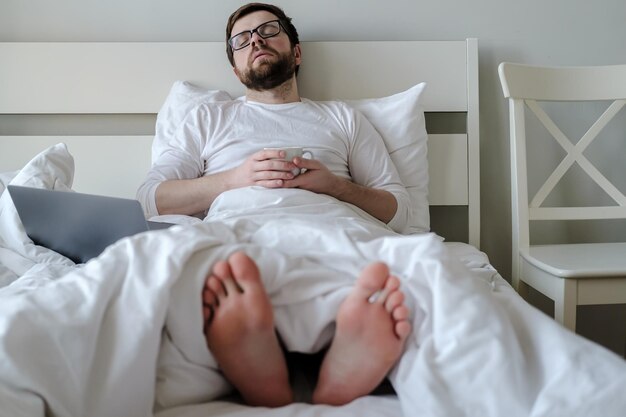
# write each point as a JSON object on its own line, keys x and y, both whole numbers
{"x": 78, "y": 226}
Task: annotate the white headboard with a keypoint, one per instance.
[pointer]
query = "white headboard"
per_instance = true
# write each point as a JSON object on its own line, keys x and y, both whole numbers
{"x": 95, "y": 80}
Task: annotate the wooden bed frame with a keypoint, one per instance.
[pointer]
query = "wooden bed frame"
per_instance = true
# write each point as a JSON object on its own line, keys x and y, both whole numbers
{"x": 100, "y": 98}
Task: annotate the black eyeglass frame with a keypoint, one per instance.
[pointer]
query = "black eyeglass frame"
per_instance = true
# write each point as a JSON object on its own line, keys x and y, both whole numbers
{"x": 253, "y": 31}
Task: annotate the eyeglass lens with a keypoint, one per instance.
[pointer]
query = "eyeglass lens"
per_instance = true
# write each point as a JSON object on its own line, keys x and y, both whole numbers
{"x": 266, "y": 30}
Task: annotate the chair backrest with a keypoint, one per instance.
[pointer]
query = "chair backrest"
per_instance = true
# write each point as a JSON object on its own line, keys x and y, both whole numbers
{"x": 525, "y": 86}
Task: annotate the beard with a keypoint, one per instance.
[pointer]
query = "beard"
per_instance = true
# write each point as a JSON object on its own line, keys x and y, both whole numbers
{"x": 271, "y": 74}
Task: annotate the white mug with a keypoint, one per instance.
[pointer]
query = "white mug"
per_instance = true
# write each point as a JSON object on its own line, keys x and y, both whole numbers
{"x": 293, "y": 152}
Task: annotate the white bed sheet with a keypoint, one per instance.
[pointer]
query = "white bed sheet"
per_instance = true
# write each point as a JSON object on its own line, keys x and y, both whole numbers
{"x": 92, "y": 340}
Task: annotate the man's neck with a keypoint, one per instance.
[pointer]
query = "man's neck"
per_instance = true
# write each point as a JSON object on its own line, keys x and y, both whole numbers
{"x": 284, "y": 93}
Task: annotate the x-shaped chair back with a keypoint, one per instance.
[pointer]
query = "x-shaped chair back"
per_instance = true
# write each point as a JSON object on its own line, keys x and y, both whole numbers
{"x": 526, "y": 85}
{"x": 574, "y": 153}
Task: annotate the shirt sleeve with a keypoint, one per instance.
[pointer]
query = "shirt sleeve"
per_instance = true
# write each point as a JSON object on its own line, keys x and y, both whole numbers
{"x": 371, "y": 166}
{"x": 176, "y": 157}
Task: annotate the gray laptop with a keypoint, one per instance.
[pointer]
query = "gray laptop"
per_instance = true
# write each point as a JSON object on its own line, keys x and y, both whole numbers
{"x": 78, "y": 226}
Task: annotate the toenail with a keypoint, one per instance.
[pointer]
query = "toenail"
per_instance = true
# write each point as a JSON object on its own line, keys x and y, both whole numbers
{"x": 378, "y": 295}
{"x": 374, "y": 297}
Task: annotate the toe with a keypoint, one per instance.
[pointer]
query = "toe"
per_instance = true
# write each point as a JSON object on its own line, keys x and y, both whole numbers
{"x": 208, "y": 296}
{"x": 216, "y": 287}
{"x": 230, "y": 285}
{"x": 400, "y": 313}
{"x": 392, "y": 283}
{"x": 391, "y": 286}
{"x": 221, "y": 269}
{"x": 224, "y": 273}
{"x": 245, "y": 271}
{"x": 402, "y": 329}
{"x": 393, "y": 300}
{"x": 371, "y": 281}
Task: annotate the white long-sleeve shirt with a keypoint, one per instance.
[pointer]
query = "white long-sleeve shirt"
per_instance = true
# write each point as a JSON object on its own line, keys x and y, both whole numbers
{"x": 216, "y": 137}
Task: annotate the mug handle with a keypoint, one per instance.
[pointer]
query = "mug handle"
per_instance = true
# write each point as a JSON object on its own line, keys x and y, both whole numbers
{"x": 304, "y": 155}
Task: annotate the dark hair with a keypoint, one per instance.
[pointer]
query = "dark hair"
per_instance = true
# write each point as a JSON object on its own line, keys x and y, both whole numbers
{"x": 244, "y": 10}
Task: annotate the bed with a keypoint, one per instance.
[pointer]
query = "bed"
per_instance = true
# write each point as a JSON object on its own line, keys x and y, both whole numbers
{"x": 92, "y": 339}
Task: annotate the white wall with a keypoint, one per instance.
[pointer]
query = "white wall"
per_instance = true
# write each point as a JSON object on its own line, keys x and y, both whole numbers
{"x": 555, "y": 32}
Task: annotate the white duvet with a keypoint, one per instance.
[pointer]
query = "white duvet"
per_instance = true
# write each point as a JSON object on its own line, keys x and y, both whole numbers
{"x": 121, "y": 335}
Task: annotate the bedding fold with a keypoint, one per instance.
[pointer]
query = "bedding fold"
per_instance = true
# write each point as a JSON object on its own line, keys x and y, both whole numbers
{"x": 122, "y": 334}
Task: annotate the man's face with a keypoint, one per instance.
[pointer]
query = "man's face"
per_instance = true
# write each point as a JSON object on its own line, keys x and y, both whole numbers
{"x": 265, "y": 63}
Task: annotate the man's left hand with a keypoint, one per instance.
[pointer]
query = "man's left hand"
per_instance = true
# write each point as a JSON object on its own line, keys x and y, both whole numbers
{"x": 315, "y": 177}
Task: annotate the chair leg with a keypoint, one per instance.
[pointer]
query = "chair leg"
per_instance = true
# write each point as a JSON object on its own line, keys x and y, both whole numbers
{"x": 515, "y": 281}
{"x": 565, "y": 304}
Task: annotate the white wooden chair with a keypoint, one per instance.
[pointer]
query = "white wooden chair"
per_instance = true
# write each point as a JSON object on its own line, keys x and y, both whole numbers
{"x": 570, "y": 274}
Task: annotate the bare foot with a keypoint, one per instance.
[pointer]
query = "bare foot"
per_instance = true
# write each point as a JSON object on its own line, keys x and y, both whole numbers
{"x": 372, "y": 327}
{"x": 239, "y": 330}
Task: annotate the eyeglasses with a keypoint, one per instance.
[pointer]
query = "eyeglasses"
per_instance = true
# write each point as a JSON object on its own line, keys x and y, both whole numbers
{"x": 265, "y": 30}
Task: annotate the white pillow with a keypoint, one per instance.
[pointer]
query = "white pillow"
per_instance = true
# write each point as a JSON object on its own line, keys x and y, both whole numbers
{"x": 181, "y": 99}
{"x": 398, "y": 118}
{"x": 53, "y": 169}
{"x": 400, "y": 121}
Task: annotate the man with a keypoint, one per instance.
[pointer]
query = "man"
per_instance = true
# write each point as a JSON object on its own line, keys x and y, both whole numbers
{"x": 217, "y": 149}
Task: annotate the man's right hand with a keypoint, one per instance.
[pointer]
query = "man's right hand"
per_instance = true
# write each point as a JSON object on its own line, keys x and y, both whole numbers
{"x": 265, "y": 168}
{"x": 192, "y": 196}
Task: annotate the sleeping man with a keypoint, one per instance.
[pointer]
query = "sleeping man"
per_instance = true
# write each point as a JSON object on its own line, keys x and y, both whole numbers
{"x": 220, "y": 147}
